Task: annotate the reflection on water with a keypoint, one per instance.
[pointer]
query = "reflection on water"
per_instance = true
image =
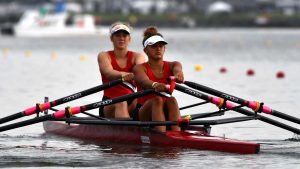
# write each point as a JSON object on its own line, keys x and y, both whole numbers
{"x": 50, "y": 150}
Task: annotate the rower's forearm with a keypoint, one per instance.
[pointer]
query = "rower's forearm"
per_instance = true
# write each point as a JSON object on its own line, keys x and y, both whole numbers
{"x": 146, "y": 84}
{"x": 113, "y": 75}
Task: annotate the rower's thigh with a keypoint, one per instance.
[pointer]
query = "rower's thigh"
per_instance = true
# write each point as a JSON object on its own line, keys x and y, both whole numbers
{"x": 132, "y": 106}
{"x": 145, "y": 112}
{"x": 109, "y": 111}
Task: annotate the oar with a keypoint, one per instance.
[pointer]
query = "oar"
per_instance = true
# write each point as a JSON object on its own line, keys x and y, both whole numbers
{"x": 211, "y": 114}
{"x": 158, "y": 123}
{"x": 70, "y": 111}
{"x": 230, "y": 105}
{"x": 254, "y": 105}
{"x": 193, "y": 105}
{"x": 41, "y": 107}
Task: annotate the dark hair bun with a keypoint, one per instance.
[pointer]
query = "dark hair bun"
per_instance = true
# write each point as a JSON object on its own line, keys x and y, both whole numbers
{"x": 150, "y": 31}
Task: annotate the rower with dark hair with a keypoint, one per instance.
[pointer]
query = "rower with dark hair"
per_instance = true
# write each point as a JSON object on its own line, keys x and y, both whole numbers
{"x": 154, "y": 74}
{"x": 115, "y": 64}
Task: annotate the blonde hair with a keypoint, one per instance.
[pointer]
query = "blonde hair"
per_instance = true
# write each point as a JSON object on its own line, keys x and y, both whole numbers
{"x": 119, "y": 23}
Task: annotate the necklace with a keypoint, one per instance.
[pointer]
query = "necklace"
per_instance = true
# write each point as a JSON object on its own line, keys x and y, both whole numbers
{"x": 160, "y": 71}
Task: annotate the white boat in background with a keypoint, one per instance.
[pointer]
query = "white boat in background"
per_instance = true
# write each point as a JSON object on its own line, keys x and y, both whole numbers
{"x": 35, "y": 24}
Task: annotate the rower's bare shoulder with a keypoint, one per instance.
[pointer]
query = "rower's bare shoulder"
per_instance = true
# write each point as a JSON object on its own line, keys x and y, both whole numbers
{"x": 138, "y": 57}
{"x": 138, "y": 68}
{"x": 103, "y": 56}
{"x": 174, "y": 63}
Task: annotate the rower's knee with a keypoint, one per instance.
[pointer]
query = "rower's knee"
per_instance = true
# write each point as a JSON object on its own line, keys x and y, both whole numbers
{"x": 158, "y": 101}
{"x": 171, "y": 100}
{"x": 121, "y": 105}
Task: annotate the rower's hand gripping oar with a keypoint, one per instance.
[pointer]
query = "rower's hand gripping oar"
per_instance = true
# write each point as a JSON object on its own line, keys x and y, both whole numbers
{"x": 70, "y": 111}
{"x": 254, "y": 105}
{"x": 41, "y": 107}
{"x": 226, "y": 104}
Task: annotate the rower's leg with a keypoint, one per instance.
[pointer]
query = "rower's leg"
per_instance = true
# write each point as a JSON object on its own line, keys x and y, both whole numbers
{"x": 121, "y": 110}
{"x": 132, "y": 106}
{"x": 153, "y": 110}
{"x": 173, "y": 111}
{"x": 118, "y": 110}
{"x": 158, "y": 113}
{"x": 109, "y": 111}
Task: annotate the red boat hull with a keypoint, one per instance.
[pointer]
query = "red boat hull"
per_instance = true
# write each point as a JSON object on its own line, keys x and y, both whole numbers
{"x": 137, "y": 135}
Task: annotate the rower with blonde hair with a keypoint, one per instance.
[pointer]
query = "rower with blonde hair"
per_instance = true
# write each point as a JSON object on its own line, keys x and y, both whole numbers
{"x": 115, "y": 64}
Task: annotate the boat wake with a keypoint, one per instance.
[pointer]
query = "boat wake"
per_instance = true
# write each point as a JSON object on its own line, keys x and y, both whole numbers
{"x": 296, "y": 137}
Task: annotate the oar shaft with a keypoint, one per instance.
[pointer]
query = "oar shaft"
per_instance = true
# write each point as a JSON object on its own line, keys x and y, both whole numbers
{"x": 250, "y": 104}
{"x": 158, "y": 123}
{"x": 193, "y": 105}
{"x": 48, "y": 105}
{"x": 78, "y": 95}
{"x": 76, "y": 110}
{"x": 12, "y": 117}
{"x": 240, "y": 110}
{"x": 268, "y": 120}
{"x": 26, "y": 122}
{"x": 285, "y": 116}
{"x": 86, "y": 92}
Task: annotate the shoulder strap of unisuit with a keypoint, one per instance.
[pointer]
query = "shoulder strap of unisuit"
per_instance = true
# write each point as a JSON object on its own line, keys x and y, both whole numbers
{"x": 113, "y": 60}
{"x": 167, "y": 70}
{"x": 129, "y": 60}
{"x": 149, "y": 71}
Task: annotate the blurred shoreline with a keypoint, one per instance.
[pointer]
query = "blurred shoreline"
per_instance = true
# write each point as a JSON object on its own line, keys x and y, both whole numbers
{"x": 186, "y": 20}
{"x": 164, "y": 13}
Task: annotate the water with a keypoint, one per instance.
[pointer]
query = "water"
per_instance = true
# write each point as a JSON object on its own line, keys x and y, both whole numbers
{"x": 33, "y": 68}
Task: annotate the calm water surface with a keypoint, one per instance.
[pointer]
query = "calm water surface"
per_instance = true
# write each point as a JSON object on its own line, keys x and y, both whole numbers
{"x": 33, "y": 68}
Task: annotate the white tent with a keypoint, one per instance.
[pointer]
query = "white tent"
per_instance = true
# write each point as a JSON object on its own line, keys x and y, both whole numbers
{"x": 219, "y": 7}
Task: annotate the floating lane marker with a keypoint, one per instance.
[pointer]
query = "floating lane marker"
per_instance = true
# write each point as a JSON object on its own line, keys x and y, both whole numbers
{"x": 5, "y": 51}
{"x": 82, "y": 58}
{"x": 250, "y": 72}
{"x": 280, "y": 75}
{"x": 54, "y": 56}
{"x": 28, "y": 53}
{"x": 198, "y": 67}
{"x": 223, "y": 70}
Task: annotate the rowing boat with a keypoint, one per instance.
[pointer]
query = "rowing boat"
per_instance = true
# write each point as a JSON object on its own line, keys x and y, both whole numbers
{"x": 197, "y": 137}
{"x": 195, "y": 133}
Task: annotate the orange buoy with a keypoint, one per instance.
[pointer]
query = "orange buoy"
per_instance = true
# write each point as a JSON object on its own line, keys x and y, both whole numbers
{"x": 223, "y": 70}
{"x": 250, "y": 72}
{"x": 280, "y": 75}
